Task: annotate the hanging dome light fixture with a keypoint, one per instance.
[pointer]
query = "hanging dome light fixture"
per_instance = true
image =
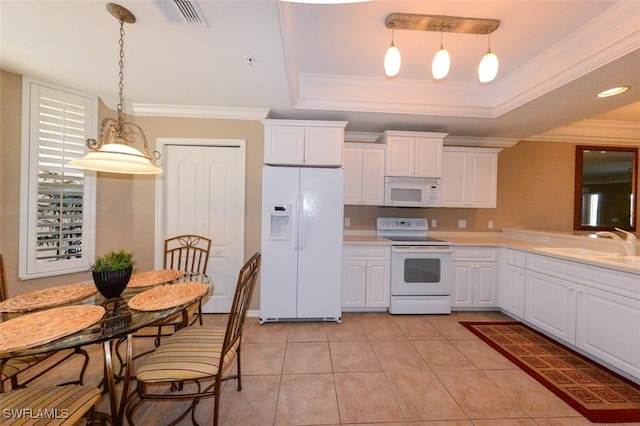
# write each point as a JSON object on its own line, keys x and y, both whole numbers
{"x": 488, "y": 68}
{"x": 441, "y": 62}
{"x": 392, "y": 60}
{"x": 112, "y": 152}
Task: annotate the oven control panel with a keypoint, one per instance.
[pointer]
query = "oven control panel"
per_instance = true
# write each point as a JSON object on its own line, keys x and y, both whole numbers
{"x": 402, "y": 224}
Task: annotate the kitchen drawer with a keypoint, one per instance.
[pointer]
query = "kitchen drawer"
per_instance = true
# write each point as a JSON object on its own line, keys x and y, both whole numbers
{"x": 475, "y": 254}
{"x": 516, "y": 258}
{"x": 369, "y": 252}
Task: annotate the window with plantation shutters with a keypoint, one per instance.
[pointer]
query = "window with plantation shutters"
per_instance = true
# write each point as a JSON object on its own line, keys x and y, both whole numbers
{"x": 57, "y": 200}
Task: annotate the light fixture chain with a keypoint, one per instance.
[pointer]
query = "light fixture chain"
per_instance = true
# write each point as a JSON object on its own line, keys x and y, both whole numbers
{"x": 112, "y": 152}
{"x": 121, "y": 73}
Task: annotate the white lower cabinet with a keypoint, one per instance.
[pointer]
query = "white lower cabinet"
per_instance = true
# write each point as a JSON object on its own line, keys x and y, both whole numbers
{"x": 550, "y": 303}
{"x": 474, "y": 277}
{"x": 511, "y": 286}
{"x": 366, "y": 277}
{"x": 608, "y": 326}
{"x": 595, "y": 309}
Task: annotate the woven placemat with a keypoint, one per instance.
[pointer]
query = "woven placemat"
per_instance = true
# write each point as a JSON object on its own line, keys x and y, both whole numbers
{"x": 167, "y": 296}
{"x": 46, "y": 326}
{"x": 148, "y": 278}
{"x": 48, "y": 297}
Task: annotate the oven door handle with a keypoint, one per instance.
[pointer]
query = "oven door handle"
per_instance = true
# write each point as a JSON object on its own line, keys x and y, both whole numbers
{"x": 421, "y": 249}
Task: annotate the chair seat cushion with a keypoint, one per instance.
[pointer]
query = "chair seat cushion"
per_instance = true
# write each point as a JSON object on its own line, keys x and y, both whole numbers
{"x": 189, "y": 354}
{"x": 176, "y": 319}
{"x": 51, "y": 405}
{"x": 14, "y": 366}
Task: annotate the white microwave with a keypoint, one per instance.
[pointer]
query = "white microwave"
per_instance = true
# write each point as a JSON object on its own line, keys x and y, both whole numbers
{"x": 411, "y": 192}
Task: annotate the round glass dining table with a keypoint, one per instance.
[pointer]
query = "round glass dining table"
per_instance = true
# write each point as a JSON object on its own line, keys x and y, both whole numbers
{"x": 118, "y": 322}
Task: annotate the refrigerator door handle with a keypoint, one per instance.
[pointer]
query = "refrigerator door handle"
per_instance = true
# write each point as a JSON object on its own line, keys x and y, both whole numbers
{"x": 301, "y": 219}
{"x": 295, "y": 218}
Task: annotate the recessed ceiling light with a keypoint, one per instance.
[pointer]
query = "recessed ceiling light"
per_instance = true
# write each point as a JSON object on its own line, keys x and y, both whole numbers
{"x": 613, "y": 91}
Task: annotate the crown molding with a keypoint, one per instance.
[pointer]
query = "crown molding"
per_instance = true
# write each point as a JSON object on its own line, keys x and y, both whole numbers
{"x": 482, "y": 142}
{"x": 187, "y": 111}
{"x": 193, "y": 111}
{"x": 594, "y": 131}
{"x": 370, "y": 137}
{"x": 450, "y": 140}
{"x": 376, "y": 94}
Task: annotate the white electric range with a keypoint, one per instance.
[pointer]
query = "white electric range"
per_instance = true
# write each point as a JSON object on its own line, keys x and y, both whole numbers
{"x": 420, "y": 267}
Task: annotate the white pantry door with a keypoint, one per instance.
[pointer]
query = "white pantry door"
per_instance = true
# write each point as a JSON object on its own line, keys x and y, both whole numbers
{"x": 204, "y": 189}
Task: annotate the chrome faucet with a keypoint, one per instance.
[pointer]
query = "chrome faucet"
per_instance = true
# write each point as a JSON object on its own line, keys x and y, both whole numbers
{"x": 629, "y": 243}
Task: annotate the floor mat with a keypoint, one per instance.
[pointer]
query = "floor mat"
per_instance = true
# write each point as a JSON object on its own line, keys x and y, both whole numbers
{"x": 595, "y": 392}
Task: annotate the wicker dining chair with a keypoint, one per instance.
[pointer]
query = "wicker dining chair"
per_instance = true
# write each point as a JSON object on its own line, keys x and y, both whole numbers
{"x": 189, "y": 253}
{"x": 197, "y": 354}
{"x": 12, "y": 370}
{"x": 51, "y": 405}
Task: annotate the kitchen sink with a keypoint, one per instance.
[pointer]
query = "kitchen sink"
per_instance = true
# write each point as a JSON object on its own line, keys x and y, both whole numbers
{"x": 575, "y": 251}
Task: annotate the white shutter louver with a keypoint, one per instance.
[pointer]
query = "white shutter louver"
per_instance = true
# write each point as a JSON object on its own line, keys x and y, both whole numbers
{"x": 60, "y": 188}
{"x": 60, "y": 215}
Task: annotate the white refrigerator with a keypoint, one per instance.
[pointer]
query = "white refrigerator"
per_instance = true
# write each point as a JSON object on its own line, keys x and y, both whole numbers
{"x": 302, "y": 216}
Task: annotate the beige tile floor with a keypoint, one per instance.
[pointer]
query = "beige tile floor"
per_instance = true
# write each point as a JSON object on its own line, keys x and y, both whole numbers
{"x": 373, "y": 368}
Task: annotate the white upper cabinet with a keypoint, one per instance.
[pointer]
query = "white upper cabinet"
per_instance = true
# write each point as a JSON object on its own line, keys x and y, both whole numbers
{"x": 413, "y": 153}
{"x": 364, "y": 174}
{"x": 303, "y": 143}
{"x": 470, "y": 177}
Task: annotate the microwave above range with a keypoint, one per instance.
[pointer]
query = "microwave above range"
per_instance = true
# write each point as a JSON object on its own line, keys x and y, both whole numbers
{"x": 411, "y": 192}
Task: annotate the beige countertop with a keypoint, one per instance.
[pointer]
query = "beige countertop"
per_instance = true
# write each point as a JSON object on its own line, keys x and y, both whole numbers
{"x": 492, "y": 240}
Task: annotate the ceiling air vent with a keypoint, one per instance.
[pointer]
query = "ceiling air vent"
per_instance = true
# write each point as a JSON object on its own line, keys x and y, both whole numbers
{"x": 181, "y": 11}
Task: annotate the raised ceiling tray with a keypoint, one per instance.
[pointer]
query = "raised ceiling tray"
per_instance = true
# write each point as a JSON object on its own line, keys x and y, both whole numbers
{"x": 441, "y": 23}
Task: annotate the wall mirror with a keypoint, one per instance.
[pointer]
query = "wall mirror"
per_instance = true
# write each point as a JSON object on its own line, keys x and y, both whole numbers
{"x": 605, "y": 188}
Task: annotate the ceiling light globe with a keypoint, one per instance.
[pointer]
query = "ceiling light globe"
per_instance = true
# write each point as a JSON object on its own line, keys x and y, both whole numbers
{"x": 488, "y": 68}
{"x": 613, "y": 91}
{"x": 440, "y": 65}
{"x": 392, "y": 61}
{"x": 116, "y": 158}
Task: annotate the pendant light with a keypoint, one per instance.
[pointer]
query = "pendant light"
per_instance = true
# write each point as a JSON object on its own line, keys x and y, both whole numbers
{"x": 392, "y": 60}
{"x": 488, "y": 68}
{"x": 441, "y": 63}
{"x": 112, "y": 152}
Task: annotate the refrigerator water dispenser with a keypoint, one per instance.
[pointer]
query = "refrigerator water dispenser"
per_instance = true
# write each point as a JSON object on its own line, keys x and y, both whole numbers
{"x": 280, "y": 222}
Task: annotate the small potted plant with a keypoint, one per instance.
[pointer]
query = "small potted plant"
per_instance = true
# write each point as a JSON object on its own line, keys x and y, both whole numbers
{"x": 111, "y": 272}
